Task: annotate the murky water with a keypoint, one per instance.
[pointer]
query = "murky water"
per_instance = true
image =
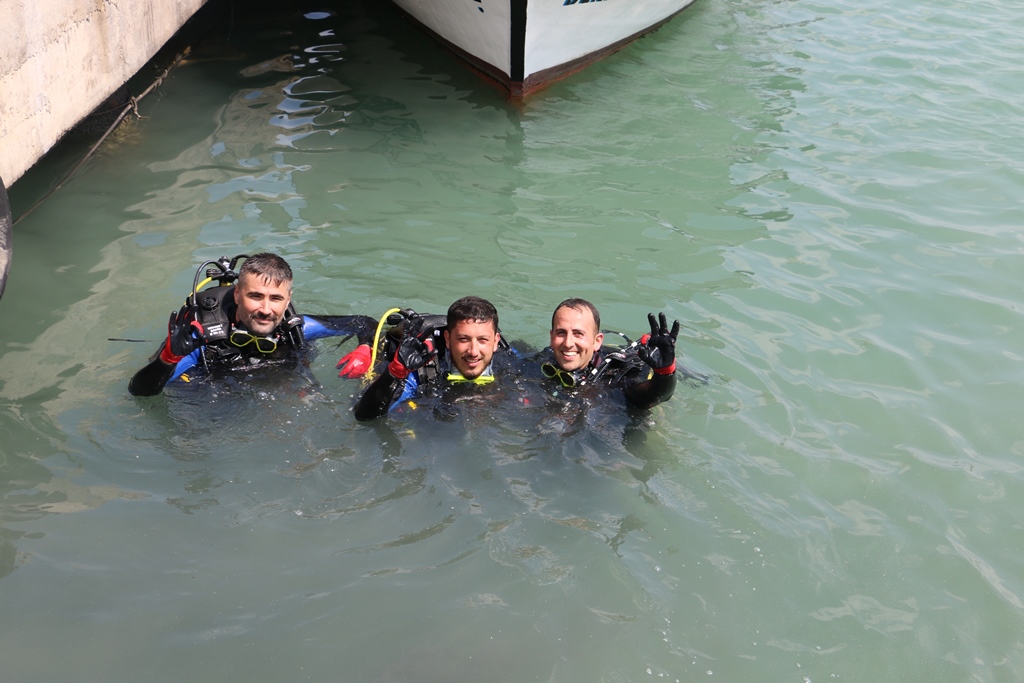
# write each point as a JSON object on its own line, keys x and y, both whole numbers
{"x": 827, "y": 195}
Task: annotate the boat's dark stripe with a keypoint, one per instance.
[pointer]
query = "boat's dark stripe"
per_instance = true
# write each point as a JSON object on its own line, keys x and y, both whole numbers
{"x": 517, "y": 47}
{"x": 514, "y": 83}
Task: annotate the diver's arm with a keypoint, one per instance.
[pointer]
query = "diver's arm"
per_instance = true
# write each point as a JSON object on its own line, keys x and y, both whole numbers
{"x": 150, "y": 380}
{"x": 378, "y": 398}
{"x": 646, "y": 394}
{"x": 399, "y": 382}
{"x": 356, "y": 362}
{"x": 319, "y": 326}
{"x": 177, "y": 354}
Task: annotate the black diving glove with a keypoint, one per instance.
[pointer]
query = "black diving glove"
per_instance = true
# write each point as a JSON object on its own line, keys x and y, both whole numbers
{"x": 412, "y": 354}
{"x": 181, "y": 336}
{"x": 658, "y": 349}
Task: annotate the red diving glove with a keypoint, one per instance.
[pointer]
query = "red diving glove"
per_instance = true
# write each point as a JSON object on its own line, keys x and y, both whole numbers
{"x": 412, "y": 354}
{"x": 356, "y": 362}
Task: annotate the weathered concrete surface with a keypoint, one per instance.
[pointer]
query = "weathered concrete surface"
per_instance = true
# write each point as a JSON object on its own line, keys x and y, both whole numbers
{"x": 59, "y": 59}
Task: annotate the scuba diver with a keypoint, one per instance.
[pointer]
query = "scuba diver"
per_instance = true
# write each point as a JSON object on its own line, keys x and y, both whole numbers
{"x": 436, "y": 352}
{"x": 644, "y": 370}
{"x": 248, "y": 320}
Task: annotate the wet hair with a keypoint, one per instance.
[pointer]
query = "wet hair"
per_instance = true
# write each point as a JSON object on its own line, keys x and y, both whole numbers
{"x": 578, "y": 305}
{"x": 267, "y": 266}
{"x": 474, "y": 309}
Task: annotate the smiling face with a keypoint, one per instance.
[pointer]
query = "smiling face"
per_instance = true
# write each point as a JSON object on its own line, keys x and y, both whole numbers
{"x": 574, "y": 337}
{"x": 472, "y": 344}
{"x": 261, "y": 303}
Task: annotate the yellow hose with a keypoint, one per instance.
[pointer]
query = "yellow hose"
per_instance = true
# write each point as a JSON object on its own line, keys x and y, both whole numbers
{"x": 195, "y": 292}
{"x": 376, "y": 341}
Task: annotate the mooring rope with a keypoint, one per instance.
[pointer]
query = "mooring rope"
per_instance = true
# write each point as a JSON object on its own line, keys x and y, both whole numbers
{"x": 132, "y": 106}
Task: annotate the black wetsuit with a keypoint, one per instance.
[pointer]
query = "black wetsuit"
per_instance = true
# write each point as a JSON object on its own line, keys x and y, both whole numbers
{"x": 219, "y": 353}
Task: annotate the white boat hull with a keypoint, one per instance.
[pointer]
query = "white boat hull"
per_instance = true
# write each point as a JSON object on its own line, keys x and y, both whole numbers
{"x": 526, "y": 44}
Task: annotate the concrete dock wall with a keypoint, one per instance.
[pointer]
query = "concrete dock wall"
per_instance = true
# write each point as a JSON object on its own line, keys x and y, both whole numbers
{"x": 60, "y": 59}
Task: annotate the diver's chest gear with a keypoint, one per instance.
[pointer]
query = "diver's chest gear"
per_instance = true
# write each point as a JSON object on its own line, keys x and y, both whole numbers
{"x": 428, "y": 328}
{"x": 610, "y": 368}
{"x": 216, "y": 310}
{"x": 613, "y": 368}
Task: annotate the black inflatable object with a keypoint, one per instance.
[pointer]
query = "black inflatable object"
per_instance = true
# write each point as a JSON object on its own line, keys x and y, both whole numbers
{"x": 5, "y": 236}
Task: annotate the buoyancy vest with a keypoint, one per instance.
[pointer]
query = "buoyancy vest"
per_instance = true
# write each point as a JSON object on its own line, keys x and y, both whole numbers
{"x": 216, "y": 310}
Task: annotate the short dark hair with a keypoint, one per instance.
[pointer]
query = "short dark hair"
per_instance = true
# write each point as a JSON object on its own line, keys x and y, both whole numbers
{"x": 579, "y": 305}
{"x": 268, "y": 266}
{"x": 472, "y": 308}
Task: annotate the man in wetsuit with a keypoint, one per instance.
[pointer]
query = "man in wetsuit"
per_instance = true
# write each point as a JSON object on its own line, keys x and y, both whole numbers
{"x": 645, "y": 371}
{"x": 247, "y": 324}
{"x": 424, "y": 358}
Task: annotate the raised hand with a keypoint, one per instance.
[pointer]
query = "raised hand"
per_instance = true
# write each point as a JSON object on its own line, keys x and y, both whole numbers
{"x": 184, "y": 335}
{"x": 412, "y": 354}
{"x": 658, "y": 349}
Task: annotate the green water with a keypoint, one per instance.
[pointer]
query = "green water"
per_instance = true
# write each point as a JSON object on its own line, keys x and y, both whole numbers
{"x": 826, "y": 195}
